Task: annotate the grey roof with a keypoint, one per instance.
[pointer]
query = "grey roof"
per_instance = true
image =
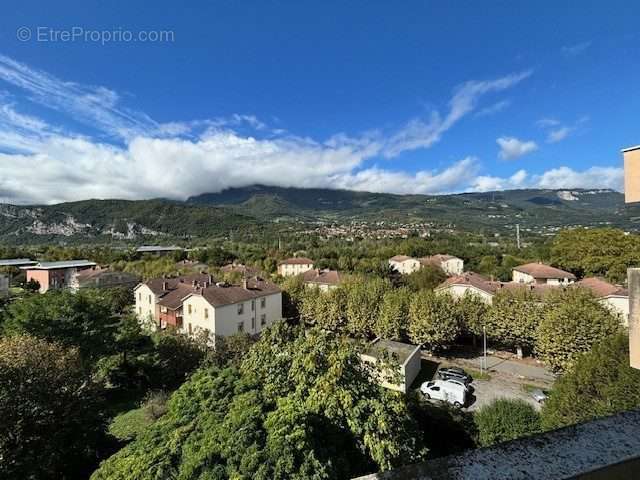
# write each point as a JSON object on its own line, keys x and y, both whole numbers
{"x": 16, "y": 262}
{"x": 402, "y": 351}
{"x": 157, "y": 248}
{"x": 62, "y": 264}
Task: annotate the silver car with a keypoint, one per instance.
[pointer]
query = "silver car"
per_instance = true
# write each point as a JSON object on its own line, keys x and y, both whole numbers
{"x": 539, "y": 395}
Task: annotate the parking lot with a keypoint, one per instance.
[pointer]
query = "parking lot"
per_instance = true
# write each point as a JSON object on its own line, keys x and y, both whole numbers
{"x": 504, "y": 379}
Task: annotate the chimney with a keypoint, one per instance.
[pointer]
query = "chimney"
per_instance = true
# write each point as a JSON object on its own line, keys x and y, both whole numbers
{"x": 205, "y": 284}
{"x": 631, "y": 174}
{"x": 210, "y": 279}
{"x": 164, "y": 286}
{"x": 245, "y": 284}
{"x": 193, "y": 283}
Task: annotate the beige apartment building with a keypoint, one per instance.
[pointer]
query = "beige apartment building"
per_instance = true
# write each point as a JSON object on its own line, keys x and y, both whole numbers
{"x": 294, "y": 266}
{"x": 631, "y": 174}
{"x": 195, "y": 303}
{"x": 324, "y": 280}
{"x": 449, "y": 264}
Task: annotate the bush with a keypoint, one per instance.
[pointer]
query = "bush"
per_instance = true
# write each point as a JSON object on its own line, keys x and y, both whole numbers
{"x": 505, "y": 420}
{"x": 600, "y": 383}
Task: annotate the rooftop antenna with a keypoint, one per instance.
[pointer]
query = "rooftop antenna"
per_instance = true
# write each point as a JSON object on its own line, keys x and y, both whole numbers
{"x": 518, "y": 235}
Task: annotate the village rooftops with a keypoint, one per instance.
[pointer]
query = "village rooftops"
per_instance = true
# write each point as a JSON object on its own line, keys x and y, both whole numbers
{"x": 161, "y": 285}
{"x": 540, "y": 270}
{"x": 60, "y": 265}
{"x": 601, "y": 288}
{"x": 158, "y": 248}
{"x": 297, "y": 261}
{"x": 17, "y": 262}
{"x": 491, "y": 287}
{"x": 324, "y": 277}
{"x": 224, "y": 294}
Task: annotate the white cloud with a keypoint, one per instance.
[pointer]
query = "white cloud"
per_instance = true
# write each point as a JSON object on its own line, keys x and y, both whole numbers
{"x": 594, "y": 177}
{"x": 558, "y": 134}
{"x": 576, "y": 49}
{"x": 512, "y": 148}
{"x": 493, "y": 109}
{"x": 418, "y": 133}
{"x": 488, "y": 183}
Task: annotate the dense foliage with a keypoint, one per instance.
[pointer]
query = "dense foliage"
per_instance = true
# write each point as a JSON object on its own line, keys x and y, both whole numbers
{"x": 573, "y": 321}
{"x": 52, "y": 416}
{"x": 599, "y": 383}
{"x": 301, "y": 405}
{"x": 504, "y": 420}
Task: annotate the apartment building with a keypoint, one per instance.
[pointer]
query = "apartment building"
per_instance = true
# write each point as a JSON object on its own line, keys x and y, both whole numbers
{"x": 449, "y": 264}
{"x": 294, "y": 266}
{"x": 97, "y": 277}
{"x": 194, "y": 303}
{"x": 613, "y": 296}
{"x": 54, "y": 275}
{"x": 404, "y": 264}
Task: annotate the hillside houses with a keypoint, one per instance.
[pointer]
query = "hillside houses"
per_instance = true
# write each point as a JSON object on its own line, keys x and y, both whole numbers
{"x": 294, "y": 266}
{"x": 613, "y": 296}
{"x": 55, "y": 275}
{"x": 449, "y": 264}
{"x": 195, "y": 303}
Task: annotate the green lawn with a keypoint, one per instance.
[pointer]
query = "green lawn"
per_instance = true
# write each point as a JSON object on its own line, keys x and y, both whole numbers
{"x": 128, "y": 425}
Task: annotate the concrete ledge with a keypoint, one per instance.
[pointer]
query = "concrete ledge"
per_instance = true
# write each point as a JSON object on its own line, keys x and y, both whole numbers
{"x": 607, "y": 448}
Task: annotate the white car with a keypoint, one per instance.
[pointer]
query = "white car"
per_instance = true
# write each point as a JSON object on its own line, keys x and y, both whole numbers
{"x": 447, "y": 391}
{"x": 458, "y": 382}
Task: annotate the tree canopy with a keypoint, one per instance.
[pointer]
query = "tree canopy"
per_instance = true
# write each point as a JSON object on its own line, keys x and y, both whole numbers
{"x": 301, "y": 405}
{"x": 506, "y": 419}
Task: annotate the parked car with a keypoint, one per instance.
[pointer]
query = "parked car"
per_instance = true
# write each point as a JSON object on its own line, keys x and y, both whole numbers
{"x": 449, "y": 392}
{"x": 455, "y": 381}
{"x": 539, "y": 395}
{"x": 454, "y": 373}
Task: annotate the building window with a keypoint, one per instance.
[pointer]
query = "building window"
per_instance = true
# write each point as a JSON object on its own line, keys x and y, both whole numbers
{"x": 253, "y": 323}
{"x": 263, "y": 302}
{"x": 263, "y": 319}
{"x": 190, "y": 329}
{"x": 240, "y": 308}
{"x": 189, "y": 309}
{"x": 149, "y": 299}
{"x": 241, "y": 327}
{"x": 253, "y": 305}
{"x": 140, "y": 310}
{"x": 206, "y": 313}
{"x": 139, "y": 297}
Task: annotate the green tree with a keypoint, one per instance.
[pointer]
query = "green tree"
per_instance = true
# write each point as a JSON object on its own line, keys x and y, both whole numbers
{"x": 84, "y": 319}
{"x": 473, "y": 312}
{"x": 51, "y": 415}
{"x": 426, "y": 278}
{"x": 573, "y": 322}
{"x": 433, "y": 319}
{"x": 300, "y": 406}
{"x": 599, "y": 383}
{"x": 504, "y": 420}
{"x": 393, "y": 318}
{"x": 514, "y": 317}
{"x": 363, "y": 303}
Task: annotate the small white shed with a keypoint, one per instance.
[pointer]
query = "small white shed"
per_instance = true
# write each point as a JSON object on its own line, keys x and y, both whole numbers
{"x": 380, "y": 352}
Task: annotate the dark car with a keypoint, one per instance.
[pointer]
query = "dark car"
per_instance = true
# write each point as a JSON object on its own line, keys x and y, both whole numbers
{"x": 455, "y": 373}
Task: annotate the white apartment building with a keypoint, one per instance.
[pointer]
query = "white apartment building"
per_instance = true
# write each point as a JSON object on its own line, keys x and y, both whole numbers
{"x": 294, "y": 266}
{"x": 449, "y": 264}
{"x": 404, "y": 264}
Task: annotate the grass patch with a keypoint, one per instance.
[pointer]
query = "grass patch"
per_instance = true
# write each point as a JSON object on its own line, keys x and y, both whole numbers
{"x": 129, "y": 425}
{"x": 477, "y": 375}
{"x": 527, "y": 387}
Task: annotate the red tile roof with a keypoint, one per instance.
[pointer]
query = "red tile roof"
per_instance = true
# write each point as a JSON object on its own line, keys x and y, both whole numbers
{"x": 540, "y": 270}
{"x": 492, "y": 287}
{"x": 324, "y": 277}
{"x": 227, "y": 295}
{"x": 602, "y": 288}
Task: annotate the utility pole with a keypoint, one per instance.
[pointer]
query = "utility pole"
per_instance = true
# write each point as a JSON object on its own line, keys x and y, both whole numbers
{"x": 484, "y": 334}
{"x": 518, "y": 235}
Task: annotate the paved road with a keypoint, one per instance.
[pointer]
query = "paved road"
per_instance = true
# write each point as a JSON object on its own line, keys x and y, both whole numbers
{"x": 520, "y": 370}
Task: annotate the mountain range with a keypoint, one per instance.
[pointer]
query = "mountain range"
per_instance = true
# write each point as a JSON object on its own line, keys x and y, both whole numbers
{"x": 259, "y": 207}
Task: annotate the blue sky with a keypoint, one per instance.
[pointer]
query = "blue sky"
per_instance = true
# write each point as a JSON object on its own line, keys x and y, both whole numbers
{"x": 410, "y": 97}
